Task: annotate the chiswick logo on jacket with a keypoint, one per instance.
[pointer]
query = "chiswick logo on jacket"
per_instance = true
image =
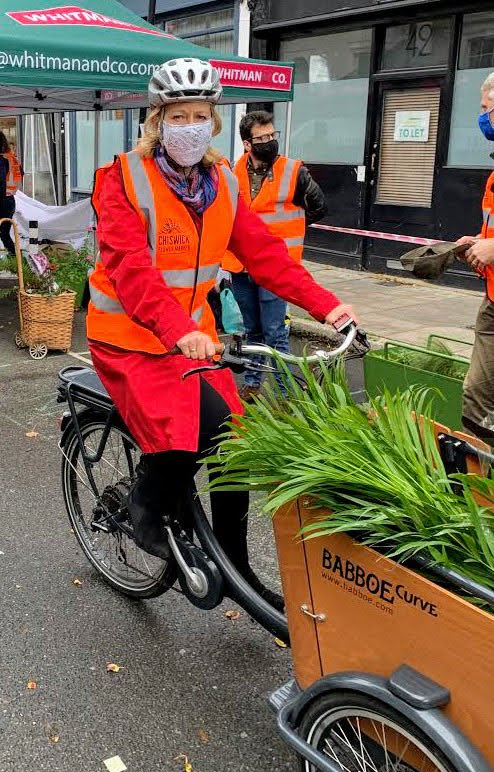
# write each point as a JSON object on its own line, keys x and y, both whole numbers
{"x": 173, "y": 237}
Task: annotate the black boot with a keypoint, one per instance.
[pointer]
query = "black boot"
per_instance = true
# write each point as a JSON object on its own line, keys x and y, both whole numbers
{"x": 145, "y": 505}
{"x": 230, "y": 528}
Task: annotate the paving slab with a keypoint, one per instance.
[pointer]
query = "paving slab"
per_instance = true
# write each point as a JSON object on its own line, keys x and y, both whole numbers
{"x": 401, "y": 308}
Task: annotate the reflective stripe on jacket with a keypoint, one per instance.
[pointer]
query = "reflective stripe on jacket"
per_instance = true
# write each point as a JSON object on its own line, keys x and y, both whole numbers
{"x": 188, "y": 263}
{"x": 14, "y": 176}
{"x": 274, "y": 204}
{"x": 488, "y": 231}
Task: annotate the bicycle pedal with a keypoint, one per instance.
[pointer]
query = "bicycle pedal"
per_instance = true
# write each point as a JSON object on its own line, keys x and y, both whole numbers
{"x": 96, "y": 525}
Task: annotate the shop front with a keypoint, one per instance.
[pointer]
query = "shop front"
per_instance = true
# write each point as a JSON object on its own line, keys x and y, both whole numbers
{"x": 385, "y": 115}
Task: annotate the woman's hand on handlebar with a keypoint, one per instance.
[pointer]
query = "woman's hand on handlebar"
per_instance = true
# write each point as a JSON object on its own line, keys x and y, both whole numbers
{"x": 344, "y": 309}
{"x": 198, "y": 345}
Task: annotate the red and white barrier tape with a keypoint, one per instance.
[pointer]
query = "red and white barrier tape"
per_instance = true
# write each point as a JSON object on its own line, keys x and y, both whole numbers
{"x": 378, "y": 235}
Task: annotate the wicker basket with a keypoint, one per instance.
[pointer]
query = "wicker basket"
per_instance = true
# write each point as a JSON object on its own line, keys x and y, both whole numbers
{"x": 46, "y": 320}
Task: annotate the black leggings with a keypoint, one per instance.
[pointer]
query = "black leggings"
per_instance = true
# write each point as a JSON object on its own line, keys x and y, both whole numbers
{"x": 229, "y": 508}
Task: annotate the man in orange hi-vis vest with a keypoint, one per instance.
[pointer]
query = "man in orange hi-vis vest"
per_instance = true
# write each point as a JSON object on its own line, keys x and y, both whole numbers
{"x": 11, "y": 168}
{"x": 478, "y": 389}
{"x": 282, "y": 192}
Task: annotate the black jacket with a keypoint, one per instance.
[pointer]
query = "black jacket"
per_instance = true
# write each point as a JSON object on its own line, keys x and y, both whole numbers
{"x": 309, "y": 196}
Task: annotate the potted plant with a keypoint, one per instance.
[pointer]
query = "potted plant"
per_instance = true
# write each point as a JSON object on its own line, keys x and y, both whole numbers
{"x": 46, "y": 307}
{"x": 371, "y": 470}
{"x": 71, "y": 267}
{"x": 399, "y": 365}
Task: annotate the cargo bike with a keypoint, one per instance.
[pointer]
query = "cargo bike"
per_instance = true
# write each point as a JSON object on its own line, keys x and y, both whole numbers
{"x": 392, "y": 672}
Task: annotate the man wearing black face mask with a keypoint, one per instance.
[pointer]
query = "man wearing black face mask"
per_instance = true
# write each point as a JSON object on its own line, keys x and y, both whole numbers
{"x": 283, "y": 193}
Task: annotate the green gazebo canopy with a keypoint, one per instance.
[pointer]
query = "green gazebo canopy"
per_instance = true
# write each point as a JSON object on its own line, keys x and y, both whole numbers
{"x": 101, "y": 55}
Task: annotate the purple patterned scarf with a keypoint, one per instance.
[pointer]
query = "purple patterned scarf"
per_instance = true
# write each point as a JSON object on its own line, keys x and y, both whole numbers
{"x": 197, "y": 190}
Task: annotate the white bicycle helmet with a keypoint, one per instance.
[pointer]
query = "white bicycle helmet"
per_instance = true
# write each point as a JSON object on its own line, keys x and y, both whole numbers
{"x": 184, "y": 80}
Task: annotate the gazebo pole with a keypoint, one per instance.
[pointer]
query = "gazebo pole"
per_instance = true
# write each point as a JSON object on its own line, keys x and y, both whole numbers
{"x": 97, "y": 126}
{"x": 288, "y": 127}
{"x": 151, "y": 11}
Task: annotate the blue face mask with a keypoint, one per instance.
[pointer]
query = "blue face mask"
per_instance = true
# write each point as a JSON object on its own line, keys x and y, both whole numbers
{"x": 486, "y": 126}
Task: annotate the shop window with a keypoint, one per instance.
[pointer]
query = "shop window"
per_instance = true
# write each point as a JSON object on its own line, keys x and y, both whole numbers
{"x": 330, "y": 100}
{"x": 8, "y": 124}
{"x": 111, "y": 141}
{"x": 135, "y": 127}
{"x": 39, "y": 181}
{"x": 467, "y": 147}
{"x": 481, "y": 53}
{"x": 83, "y": 171}
{"x": 196, "y": 23}
{"x": 416, "y": 45}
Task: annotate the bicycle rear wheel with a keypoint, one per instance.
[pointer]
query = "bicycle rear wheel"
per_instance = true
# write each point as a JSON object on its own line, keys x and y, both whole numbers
{"x": 115, "y": 555}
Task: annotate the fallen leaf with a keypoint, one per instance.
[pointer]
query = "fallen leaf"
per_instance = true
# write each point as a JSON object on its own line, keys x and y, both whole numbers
{"x": 280, "y": 643}
{"x": 77, "y": 582}
{"x": 52, "y": 732}
{"x": 32, "y": 433}
{"x": 233, "y": 615}
{"x": 203, "y": 736}
{"x": 31, "y": 685}
{"x": 187, "y": 765}
{"x": 115, "y": 764}
{"x": 111, "y": 667}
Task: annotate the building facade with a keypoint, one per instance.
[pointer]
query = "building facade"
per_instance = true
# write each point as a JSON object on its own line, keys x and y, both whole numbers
{"x": 385, "y": 115}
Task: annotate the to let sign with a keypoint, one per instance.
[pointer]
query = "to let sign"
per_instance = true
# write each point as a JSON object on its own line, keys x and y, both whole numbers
{"x": 412, "y": 125}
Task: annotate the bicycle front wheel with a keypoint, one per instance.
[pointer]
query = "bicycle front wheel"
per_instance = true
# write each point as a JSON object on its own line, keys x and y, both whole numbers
{"x": 114, "y": 554}
{"x": 361, "y": 734}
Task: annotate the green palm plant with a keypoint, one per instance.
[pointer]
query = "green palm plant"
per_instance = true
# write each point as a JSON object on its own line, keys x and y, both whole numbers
{"x": 375, "y": 468}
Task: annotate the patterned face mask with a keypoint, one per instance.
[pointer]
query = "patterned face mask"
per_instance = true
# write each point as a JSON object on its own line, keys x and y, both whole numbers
{"x": 187, "y": 144}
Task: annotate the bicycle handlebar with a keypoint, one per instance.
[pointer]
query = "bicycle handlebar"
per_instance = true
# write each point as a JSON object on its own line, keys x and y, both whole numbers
{"x": 236, "y": 357}
{"x": 317, "y": 356}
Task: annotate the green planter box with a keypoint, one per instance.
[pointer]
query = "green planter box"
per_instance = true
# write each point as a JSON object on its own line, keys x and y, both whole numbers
{"x": 381, "y": 370}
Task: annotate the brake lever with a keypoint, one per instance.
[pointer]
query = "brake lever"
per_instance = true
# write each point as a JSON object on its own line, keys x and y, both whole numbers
{"x": 362, "y": 340}
{"x": 204, "y": 369}
{"x": 229, "y": 360}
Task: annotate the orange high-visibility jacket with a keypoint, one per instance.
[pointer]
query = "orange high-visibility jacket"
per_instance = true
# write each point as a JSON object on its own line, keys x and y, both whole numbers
{"x": 488, "y": 231}
{"x": 14, "y": 176}
{"x": 274, "y": 204}
{"x": 188, "y": 264}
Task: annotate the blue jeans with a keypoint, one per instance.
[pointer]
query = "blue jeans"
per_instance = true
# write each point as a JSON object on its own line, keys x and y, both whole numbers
{"x": 264, "y": 320}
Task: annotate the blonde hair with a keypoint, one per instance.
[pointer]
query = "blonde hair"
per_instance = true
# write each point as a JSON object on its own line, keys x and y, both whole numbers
{"x": 151, "y": 135}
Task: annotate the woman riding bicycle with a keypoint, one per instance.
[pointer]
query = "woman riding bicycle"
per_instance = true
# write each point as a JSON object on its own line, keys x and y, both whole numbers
{"x": 167, "y": 212}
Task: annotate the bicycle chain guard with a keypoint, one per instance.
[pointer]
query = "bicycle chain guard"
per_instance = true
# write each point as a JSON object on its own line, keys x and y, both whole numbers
{"x": 207, "y": 573}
